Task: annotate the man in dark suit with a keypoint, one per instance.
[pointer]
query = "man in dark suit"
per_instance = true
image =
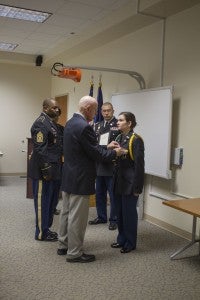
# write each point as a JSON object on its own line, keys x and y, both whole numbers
{"x": 45, "y": 168}
{"x": 81, "y": 151}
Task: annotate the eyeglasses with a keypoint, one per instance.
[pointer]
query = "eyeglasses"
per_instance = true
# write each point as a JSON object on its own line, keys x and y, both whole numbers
{"x": 106, "y": 110}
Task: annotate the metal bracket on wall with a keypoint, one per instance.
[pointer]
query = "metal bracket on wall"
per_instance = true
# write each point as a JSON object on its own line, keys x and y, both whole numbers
{"x": 56, "y": 67}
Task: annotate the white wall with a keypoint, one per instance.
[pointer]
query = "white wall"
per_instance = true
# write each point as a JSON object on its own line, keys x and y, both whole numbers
{"x": 182, "y": 69}
{"x": 133, "y": 52}
{"x": 141, "y": 52}
{"x": 22, "y": 90}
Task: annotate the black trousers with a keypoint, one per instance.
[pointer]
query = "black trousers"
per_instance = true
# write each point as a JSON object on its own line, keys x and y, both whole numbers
{"x": 127, "y": 220}
{"x": 46, "y": 195}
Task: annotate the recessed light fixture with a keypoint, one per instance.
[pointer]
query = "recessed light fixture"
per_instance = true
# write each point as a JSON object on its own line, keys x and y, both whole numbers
{"x": 7, "y": 46}
{"x": 23, "y": 14}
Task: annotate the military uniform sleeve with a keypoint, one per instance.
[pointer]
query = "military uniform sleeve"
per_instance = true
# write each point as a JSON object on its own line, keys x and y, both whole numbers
{"x": 40, "y": 144}
{"x": 138, "y": 150}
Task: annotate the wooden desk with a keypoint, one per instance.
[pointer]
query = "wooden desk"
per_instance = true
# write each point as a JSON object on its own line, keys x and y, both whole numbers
{"x": 192, "y": 207}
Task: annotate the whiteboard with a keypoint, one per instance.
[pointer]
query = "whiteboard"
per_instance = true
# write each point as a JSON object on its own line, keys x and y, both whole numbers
{"x": 153, "y": 112}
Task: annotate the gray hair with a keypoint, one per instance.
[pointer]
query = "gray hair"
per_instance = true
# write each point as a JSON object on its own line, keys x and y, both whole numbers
{"x": 85, "y": 102}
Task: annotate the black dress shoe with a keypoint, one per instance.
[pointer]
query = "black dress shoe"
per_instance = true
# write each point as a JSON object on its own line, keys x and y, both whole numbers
{"x": 62, "y": 251}
{"x": 126, "y": 250}
{"x": 115, "y": 245}
{"x": 52, "y": 233}
{"x": 48, "y": 238}
{"x": 112, "y": 226}
{"x": 96, "y": 221}
{"x": 84, "y": 258}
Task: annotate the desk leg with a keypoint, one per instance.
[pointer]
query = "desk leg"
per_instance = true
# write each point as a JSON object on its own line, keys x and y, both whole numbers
{"x": 193, "y": 241}
{"x": 199, "y": 241}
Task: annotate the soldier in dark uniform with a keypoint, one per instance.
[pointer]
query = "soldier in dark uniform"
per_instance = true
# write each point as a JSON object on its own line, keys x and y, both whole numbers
{"x": 106, "y": 132}
{"x": 128, "y": 182}
{"x": 45, "y": 168}
{"x": 60, "y": 137}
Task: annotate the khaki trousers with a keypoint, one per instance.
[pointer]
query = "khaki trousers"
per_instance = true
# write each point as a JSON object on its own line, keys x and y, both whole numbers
{"x": 73, "y": 222}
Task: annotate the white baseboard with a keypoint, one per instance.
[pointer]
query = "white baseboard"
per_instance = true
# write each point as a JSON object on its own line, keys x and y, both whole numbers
{"x": 185, "y": 234}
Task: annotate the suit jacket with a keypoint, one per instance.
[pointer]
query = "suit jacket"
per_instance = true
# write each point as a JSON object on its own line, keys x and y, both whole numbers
{"x": 47, "y": 149}
{"x": 128, "y": 173}
{"x": 81, "y": 151}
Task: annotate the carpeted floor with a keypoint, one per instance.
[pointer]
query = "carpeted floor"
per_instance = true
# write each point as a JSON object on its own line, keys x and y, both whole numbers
{"x": 31, "y": 270}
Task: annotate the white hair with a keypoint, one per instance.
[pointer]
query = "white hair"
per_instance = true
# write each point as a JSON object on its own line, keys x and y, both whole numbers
{"x": 85, "y": 102}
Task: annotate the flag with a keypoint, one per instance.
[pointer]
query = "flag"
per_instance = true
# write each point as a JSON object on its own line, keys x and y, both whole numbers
{"x": 91, "y": 86}
{"x": 91, "y": 89}
{"x": 99, "y": 117}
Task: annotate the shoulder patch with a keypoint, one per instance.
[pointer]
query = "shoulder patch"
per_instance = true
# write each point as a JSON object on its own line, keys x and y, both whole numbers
{"x": 39, "y": 137}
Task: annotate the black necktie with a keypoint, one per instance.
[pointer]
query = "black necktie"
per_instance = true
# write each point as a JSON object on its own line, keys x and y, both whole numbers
{"x": 106, "y": 124}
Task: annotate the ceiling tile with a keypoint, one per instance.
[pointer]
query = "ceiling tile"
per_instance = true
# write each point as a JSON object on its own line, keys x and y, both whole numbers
{"x": 48, "y": 28}
{"x": 62, "y": 21}
{"x": 78, "y": 10}
{"x": 20, "y": 25}
{"x": 41, "y": 5}
{"x": 41, "y": 37}
{"x": 98, "y": 3}
{"x": 13, "y": 33}
{"x": 91, "y": 20}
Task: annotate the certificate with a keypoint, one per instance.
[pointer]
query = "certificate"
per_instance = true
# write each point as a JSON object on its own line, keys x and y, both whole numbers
{"x": 103, "y": 139}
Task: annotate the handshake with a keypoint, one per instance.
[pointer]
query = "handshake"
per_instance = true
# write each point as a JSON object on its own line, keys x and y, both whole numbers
{"x": 119, "y": 150}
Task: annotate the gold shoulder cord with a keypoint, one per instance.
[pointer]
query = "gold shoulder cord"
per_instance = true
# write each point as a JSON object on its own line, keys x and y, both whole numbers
{"x": 130, "y": 146}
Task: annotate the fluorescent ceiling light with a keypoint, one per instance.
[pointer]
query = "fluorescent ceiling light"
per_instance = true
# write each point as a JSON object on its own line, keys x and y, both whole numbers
{"x": 7, "y": 46}
{"x": 23, "y": 14}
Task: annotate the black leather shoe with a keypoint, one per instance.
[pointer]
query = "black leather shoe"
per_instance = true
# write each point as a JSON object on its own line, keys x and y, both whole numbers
{"x": 96, "y": 221}
{"x": 112, "y": 226}
{"x": 62, "y": 251}
{"x": 56, "y": 212}
{"x": 52, "y": 233}
{"x": 115, "y": 245}
{"x": 84, "y": 258}
{"x": 48, "y": 238}
{"x": 126, "y": 250}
